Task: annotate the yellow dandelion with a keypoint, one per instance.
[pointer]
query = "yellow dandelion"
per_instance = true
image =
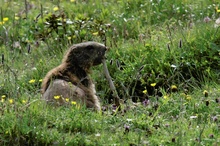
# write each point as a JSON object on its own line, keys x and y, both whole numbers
{"x": 165, "y": 97}
{"x": 145, "y": 91}
{"x": 55, "y": 9}
{"x": 2, "y": 100}
{"x": 5, "y": 19}
{"x": 73, "y": 103}
{"x": 69, "y": 38}
{"x": 11, "y": 101}
{"x": 95, "y": 33}
{"x": 32, "y": 81}
{"x": 2, "y": 22}
{"x": 56, "y": 97}
{"x": 205, "y": 92}
{"x": 72, "y": 1}
{"x": 40, "y": 80}
{"x": 153, "y": 84}
{"x": 17, "y": 18}
{"x": 173, "y": 88}
{"x": 183, "y": 94}
{"x": 67, "y": 99}
{"x": 217, "y": 10}
{"x": 188, "y": 97}
{"x": 3, "y": 96}
{"x": 24, "y": 101}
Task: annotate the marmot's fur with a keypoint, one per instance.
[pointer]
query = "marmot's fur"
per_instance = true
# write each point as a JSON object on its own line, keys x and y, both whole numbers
{"x": 71, "y": 80}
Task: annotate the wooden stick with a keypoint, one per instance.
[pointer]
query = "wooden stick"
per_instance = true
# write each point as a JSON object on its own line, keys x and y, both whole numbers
{"x": 111, "y": 84}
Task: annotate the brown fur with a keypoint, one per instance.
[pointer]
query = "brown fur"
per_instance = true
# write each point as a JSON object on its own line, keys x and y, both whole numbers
{"x": 71, "y": 78}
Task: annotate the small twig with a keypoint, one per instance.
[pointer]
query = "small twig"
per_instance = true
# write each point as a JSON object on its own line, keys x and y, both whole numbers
{"x": 111, "y": 84}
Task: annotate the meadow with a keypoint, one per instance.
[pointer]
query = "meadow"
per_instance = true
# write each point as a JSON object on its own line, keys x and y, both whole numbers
{"x": 163, "y": 57}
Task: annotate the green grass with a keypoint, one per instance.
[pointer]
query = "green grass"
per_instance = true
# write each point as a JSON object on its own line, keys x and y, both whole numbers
{"x": 166, "y": 43}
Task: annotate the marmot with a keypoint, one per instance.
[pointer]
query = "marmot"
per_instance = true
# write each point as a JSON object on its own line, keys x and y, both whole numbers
{"x": 70, "y": 80}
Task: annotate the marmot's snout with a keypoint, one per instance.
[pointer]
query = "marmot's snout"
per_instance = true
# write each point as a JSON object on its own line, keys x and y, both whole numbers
{"x": 100, "y": 56}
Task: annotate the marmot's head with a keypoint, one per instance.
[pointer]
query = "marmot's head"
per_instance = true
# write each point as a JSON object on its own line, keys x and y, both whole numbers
{"x": 85, "y": 55}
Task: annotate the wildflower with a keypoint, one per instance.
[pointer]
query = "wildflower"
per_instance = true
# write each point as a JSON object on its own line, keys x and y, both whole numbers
{"x": 40, "y": 80}
{"x": 5, "y": 19}
{"x": 2, "y": 100}
{"x": 73, "y": 103}
{"x": 165, "y": 97}
{"x": 205, "y": 92}
{"x": 32, "y": 81}
{"x": 11, "y": 101}
{"x": 24, "y": 101}
{"x": 56, "y": 97}
{"x": 55, "y": 9}
{"x": 145, "y": 91}
{"x": 69, "y": 38}
{"x": 183, "y": 94}
{"x": 217, "y": 10}
{"x": 95, "y": 33}
{"x": 188, "y": 97}
{"x": 146, "y": 102}
{"x": 153, "y": 84}
{"x": 17, "y": 18}
{"x": 67, "y": 99}
{"x": 2, "y": 22}
{"x": 127, "y": 128}
{"x": 207, "y": 19}
{"x": 72, "y": 1}
{"x": 173, "y": 88}
{"x": 3, "y": 96}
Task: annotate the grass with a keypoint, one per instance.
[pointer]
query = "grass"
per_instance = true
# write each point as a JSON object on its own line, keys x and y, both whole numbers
{"x": 163, "y": 58}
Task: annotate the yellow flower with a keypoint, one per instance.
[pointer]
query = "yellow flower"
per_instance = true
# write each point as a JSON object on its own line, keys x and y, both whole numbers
{"x": 153, "y": 84}
{"x": 217, "y": 10}
{"x": 32, "y": 81}
{"x": 11, "y": 101}
{"x": 55, "y": 8}
{"x": 2, "y": 22}
{"x": 173, "y": 88}
{"x": 3, "y": 96}
{"x": 24, "y": 101}
{"x": 5, "y": 19}
{"x": 2, "y": 100}
{"x": 73, "y": 103}
{"x": 165, "y": 97}
{"x": 17, "y": 18}
{"x": 95, "y": 33}
{"x": 40, "y": 80}
{"x": 72, "y": 0}
{"x": 69, "y": 38}
{"x": 205, "y": 92}
{"x": 67, "y": 99}
{"x": 145, "y": 91}
{"x": 56, "y": 97}
{"x": 188, "y": 97}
